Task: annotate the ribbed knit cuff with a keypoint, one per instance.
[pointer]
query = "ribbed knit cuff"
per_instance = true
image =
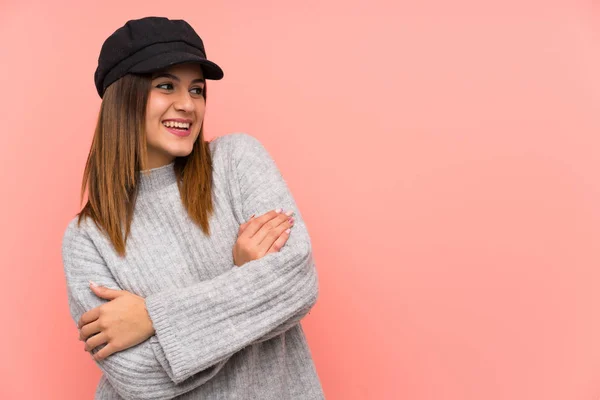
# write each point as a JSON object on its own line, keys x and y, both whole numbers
{"x": 167, "y": 339}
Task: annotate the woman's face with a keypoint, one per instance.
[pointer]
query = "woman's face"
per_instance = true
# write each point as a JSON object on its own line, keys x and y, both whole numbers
{"x": 176, "y": 102}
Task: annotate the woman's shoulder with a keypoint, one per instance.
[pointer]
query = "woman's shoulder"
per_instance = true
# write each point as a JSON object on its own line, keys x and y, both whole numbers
{"x": 241, "y": 148}
{"x": 76, "y": 228}
{"x": 78, "y": 233}
{"x": 233, "y": 142}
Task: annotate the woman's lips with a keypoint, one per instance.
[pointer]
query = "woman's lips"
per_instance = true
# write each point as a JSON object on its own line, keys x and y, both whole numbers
{"x": 179, "y": 132}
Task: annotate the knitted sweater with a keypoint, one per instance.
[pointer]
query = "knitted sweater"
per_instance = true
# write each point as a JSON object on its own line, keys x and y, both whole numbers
{"x": 222, "y": 331}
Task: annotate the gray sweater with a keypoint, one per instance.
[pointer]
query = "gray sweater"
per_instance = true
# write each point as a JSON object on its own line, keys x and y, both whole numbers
{"x": 222, "y": 331}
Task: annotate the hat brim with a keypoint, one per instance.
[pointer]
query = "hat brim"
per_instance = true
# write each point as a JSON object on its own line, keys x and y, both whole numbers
{"x": 164, "y": 60}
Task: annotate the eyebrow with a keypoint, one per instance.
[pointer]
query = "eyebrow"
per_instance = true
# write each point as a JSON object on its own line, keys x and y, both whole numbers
{"x": 167, "y": 75}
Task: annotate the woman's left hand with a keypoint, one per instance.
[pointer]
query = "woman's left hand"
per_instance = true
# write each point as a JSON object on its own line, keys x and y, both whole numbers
{"x": 122, "y": 322}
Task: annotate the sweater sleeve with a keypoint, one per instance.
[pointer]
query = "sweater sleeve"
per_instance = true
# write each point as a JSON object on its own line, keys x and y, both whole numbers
{"x": 201, "y": 325}
{"x": 137, "y": 372}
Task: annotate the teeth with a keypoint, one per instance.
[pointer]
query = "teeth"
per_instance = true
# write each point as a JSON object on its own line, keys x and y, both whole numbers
{"x": 173, "y": 124}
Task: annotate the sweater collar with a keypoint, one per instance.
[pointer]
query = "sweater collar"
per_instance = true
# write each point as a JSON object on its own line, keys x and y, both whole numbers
{"x": 152, "y": 180}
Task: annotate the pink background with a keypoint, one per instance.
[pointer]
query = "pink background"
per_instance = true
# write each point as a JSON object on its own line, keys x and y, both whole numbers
{"x": 445, "y": 156}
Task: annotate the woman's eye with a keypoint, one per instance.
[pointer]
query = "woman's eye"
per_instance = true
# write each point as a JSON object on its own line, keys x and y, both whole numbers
{"x": 199, "y": 90}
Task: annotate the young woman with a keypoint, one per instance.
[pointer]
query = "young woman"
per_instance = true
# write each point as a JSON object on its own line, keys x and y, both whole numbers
{"x": 186, "y": 273}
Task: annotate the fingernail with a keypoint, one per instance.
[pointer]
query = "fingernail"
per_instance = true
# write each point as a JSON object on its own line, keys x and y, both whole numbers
{"x": 278, "y": 210}
{"x": 252, "y": 216}
{"x": 288, "y": 230}
{"x": 93, "y": 284}
{"x": 289, "y": 213}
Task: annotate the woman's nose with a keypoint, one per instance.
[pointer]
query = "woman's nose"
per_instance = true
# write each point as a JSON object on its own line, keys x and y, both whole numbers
{"x": 185, "y": 103}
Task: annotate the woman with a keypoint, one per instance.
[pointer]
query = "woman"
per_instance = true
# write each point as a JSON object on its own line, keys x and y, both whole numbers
{"x": 176, "y": 293}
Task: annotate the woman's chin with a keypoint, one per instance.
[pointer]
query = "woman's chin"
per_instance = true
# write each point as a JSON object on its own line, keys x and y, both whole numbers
{"x": 180, "y": 153}
{"x": 181, "y": 150}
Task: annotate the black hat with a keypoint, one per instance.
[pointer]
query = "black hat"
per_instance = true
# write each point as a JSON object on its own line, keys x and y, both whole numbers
{"x": 149, "y": 44}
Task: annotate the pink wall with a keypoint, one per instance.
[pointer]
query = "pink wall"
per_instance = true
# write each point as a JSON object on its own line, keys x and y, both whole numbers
{"x": 444, "y": 154}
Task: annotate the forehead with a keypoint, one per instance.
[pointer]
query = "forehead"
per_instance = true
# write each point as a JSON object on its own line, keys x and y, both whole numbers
{"x": 182, "y": 71}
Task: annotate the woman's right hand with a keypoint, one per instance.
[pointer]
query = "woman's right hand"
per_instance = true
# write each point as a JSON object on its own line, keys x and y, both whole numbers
{"x": 262, "y": 235}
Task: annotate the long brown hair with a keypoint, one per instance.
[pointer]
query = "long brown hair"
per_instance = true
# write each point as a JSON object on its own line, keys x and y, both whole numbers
{"x": 118, "y": 155}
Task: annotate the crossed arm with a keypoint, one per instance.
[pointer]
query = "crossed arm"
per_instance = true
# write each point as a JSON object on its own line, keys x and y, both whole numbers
{"x": 199, "y": 327}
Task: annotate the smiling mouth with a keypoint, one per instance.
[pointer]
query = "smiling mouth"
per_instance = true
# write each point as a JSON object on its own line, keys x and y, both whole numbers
{"x": 178, "y": 131}
{"x": 178, "y": 126}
